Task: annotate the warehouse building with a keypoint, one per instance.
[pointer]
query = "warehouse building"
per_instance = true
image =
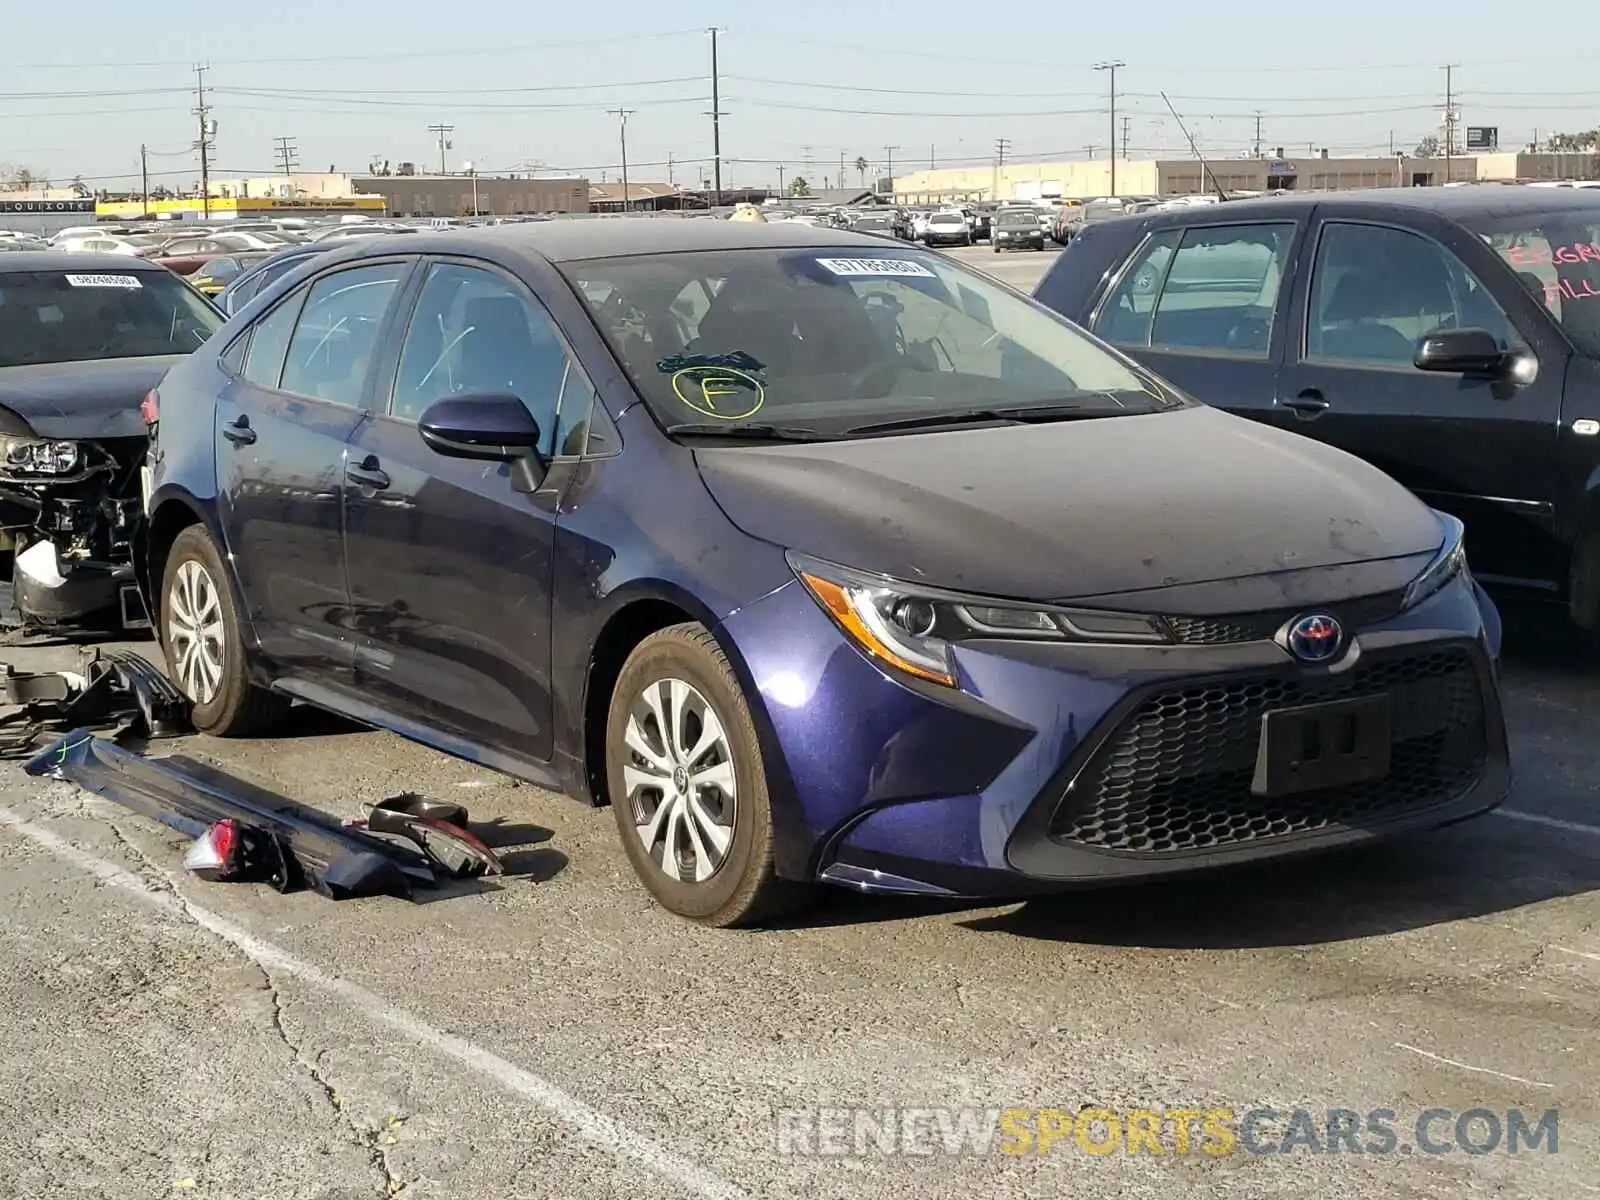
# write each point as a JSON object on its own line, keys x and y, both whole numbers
{"x": 493, "y": 195}
{"x": 1184, "y": 176}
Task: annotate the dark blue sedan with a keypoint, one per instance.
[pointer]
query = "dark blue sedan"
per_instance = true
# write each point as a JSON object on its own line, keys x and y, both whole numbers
{"x": 816, "y": 557}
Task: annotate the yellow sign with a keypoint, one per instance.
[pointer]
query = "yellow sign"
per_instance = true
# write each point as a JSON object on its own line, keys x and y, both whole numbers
{"x": 236, "y": 206}
{"x": 725, "y": 393}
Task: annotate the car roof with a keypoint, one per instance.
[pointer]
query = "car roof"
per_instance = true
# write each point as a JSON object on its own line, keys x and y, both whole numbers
{"x": 621, "y": 237}
{"x": 66, "y": 260}
{"x": 1473, "y": 200}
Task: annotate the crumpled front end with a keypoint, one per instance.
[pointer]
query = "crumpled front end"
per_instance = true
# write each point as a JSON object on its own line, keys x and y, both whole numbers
{"x": 69, "y": 511}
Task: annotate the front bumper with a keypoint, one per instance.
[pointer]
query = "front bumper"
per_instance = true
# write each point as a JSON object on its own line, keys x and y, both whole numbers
{"x": 1056, "y": 765}
{"x": 52, "y": 592}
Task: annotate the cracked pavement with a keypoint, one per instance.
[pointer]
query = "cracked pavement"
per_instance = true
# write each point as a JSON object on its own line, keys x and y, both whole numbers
{"x": 554, "y": 1035}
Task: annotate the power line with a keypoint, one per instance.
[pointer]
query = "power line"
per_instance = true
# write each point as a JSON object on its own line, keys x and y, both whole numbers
{"x": 208, "y": 131}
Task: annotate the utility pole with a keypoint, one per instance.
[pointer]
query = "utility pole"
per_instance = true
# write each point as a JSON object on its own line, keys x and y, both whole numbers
{"x": 716, "y": 120}
{"x": 931, "y": 167}
{"x": 622, "y": 115}
{"x": 1001, "y": 145}
{"x": 208, "y": 131}
{"x": 144, "y": 179}
{"x": 288, "y": 159}
{"x": 1449, "y": 118}
{"x": 780, "y": 179}
{"x": 889, "y": 168}
{"x": 443, "y": 132}
{"x": 671, "y": 179}
{"x": 1111, "y": 66}
{"x": 1127, "y": 123}
{"x": 1257, "y": 151}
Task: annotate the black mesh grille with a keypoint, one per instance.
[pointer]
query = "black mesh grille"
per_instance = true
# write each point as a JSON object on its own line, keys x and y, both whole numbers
{"x": 1176, "y": 774}
{"x": 1262, "y": 626}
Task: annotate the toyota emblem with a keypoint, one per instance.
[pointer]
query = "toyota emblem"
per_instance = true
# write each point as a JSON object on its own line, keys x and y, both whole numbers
{"x": 1315, "y": 638}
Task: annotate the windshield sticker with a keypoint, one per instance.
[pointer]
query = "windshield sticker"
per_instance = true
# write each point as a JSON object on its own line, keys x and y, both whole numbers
{"x": 738, "y": 360}
{"x": 876, "y": 266}
{"x": 725, "y": 393}
{"x": 130, "y": 282}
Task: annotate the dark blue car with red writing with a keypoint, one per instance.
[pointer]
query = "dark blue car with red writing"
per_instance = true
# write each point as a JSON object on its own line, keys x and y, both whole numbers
{"x": 820, "y": 559}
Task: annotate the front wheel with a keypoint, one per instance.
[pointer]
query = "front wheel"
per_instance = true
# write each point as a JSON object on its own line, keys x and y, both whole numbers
{"x": 202, "y": 634}
{"x": 688, "y": 785}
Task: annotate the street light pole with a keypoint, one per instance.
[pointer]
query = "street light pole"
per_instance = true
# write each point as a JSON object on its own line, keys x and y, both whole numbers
{"x": 1111, "y": 67}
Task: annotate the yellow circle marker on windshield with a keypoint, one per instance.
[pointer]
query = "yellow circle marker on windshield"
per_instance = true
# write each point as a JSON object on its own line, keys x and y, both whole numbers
{"x": 725, "y": 393}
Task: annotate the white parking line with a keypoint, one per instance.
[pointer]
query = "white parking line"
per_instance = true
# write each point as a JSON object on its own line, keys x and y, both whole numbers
{"x": 1450, "y": 1062}
{"x": 1549, "y": 822}
{"x": 606, "y": 1132}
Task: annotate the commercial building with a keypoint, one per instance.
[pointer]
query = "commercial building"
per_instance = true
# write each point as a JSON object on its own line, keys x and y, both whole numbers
{"x": 230, "y": 208}
{"x": 1183, "y": 176}
{"x": 494, "y": 195}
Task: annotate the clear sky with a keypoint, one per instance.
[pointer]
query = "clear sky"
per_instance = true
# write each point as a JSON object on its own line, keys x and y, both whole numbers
{"x": 85, "y": 83}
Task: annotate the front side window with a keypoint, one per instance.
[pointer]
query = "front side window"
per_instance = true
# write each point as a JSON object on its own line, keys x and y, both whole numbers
{"x": 1220, "y": 291}
{"x": 99, "y": 312}
{"x": 837, "y": 339}
{"x": 474, "y": 331}
{"x": 337, "y": 333}
{"x": 1556, "y": 256}
{"x": 1377, "y": 290}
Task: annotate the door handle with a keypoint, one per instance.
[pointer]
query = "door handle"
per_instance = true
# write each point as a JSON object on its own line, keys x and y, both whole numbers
{"x": 1307, "y": 404}
{"x": 238, "y": 431}
{"x": 368, "y": 474}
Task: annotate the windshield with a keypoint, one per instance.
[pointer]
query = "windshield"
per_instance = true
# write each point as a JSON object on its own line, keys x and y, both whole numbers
{"x": 830, "y": 340}
{"x": 1556, "y": 255}
{"x": 1025, "y": 219}
{"x": 56, "y": 316}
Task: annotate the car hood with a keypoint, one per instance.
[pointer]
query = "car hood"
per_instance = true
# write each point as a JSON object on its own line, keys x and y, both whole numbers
{"x": 77, "y": 400}
{"x": 1076, "y": 509}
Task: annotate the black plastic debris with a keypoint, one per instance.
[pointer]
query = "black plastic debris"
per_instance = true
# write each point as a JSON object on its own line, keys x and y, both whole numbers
{"x": 116, "y": 690}
{"x": 310, "y": 848}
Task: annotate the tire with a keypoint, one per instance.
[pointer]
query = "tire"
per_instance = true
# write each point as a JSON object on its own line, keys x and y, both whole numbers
{"x": 687, "y": 673}
{"x": 233, "y": 706}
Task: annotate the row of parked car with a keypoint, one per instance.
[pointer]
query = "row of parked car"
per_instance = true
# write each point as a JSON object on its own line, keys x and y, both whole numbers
{"x": 823, "y": 558}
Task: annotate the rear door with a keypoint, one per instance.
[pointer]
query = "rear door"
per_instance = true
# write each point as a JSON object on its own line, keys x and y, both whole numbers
{"x": 1477, "y": 448}
{"x": 1205, "y": 306}
{"x": 282, "y": 423}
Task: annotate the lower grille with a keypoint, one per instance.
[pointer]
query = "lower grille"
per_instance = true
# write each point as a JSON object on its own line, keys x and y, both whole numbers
{"x": 1176, "y": 773}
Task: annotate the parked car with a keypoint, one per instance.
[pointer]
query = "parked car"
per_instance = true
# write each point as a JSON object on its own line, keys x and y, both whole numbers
{"x": 1017, "y": 229}
{"x": 1452, "y": 338}
{"x": 1065, "y": 221}
{"x": 948, "y": 229}
{"x": 880, "y": 224}
{"x": 186, "y": 255}
{"x": 982, "y": 220}
{"x": 215, "y": 275}
{"x": 242, "y": 289}
{"x": 82, "y": 342}
{"x": 965, "y": 604}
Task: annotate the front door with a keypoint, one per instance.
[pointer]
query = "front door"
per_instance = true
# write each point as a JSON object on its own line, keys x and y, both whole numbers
{"x": 1203, "y": 306}
{"x": 282, "y": 424}
{"x": 449, "y": 565}
{"x": 1472, "y": 447}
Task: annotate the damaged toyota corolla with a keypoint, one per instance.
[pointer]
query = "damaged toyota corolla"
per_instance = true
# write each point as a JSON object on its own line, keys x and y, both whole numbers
{"x": 818, "y": 557}
{"x": 83, "y": 339}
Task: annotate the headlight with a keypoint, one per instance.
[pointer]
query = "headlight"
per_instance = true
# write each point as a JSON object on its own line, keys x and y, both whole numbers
{"x": 913, "y": 628}
{"x": 35, "y": 456}
{"x": 1450, "y": 561}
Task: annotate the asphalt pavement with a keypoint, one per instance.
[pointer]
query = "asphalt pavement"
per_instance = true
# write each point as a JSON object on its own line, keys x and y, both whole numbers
{"x": 554, "y": 1035}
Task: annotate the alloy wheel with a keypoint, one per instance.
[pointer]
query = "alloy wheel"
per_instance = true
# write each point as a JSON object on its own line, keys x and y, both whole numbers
{"x": 196, "y": 632}
{"x": 680, "y": 780}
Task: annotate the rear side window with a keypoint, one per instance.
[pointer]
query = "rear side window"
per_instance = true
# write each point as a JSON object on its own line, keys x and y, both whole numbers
{"x": 1126, "y": 316}
{"x": 337, "y": 333}
{"x": 1221, "y": 290}
{"x": 263, "y": 362}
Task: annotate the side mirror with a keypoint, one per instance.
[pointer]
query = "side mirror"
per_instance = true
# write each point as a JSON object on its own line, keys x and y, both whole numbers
{"x": 491, "y": 426}
{"x": 1460, "y": 352}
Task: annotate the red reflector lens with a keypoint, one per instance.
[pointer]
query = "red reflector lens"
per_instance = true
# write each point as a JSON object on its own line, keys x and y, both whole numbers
{"x": 150, "y": 407}
{"x": 215, "y": 849}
